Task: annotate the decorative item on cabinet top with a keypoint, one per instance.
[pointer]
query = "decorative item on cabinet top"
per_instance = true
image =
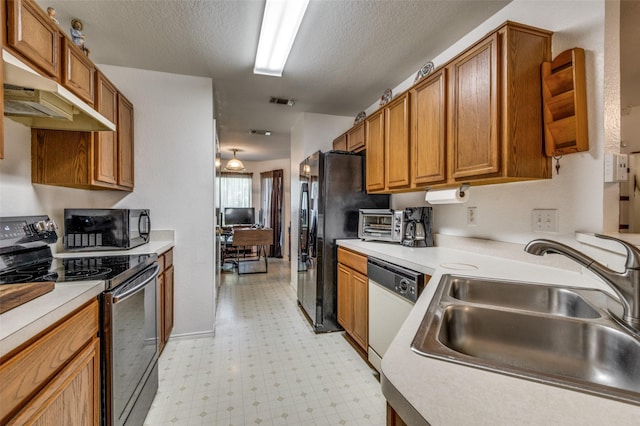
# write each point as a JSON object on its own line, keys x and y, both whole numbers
{"x": 565, "y": 104}
{"x": 360, "y": 117}
{"x": 424, "y": 71}
{"x": 386, "y": 97}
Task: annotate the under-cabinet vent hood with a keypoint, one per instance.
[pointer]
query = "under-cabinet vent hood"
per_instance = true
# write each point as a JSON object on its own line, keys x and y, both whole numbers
{"x": 41, "y": 103}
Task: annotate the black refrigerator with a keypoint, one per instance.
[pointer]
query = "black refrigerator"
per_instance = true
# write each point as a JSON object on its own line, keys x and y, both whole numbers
{"x": 332, "y": 191}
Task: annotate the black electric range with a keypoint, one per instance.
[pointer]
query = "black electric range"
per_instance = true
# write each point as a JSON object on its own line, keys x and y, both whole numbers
{"x": 25, "y": 256}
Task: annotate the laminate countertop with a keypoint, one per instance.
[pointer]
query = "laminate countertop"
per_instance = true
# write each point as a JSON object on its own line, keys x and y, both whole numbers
{"x": 20, "y": 324}
{"x": 445, "y": 393}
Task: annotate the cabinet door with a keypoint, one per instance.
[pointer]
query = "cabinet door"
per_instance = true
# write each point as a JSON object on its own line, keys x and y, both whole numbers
{"x": 428, "y": 132}
{"x": 78, "y": 73}
{"x": 125, "y": 142}
{"x": 72, "y": 398}
{"x": 396, "y": 129}
{"x": 345, "y": 303}
{"x": 32, "y": 34}
{"x": 106, "y": 150}
{"x": 168, "y": 303}
{"x": 374, "y": 133}
{"x": 355, "y": 138}
{"x": 360, "y": 292}
{"x": 340, "y": 143}
{"x": 473, "y": 119}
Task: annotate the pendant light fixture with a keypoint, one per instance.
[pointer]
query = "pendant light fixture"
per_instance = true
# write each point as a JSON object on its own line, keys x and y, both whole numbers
{"x": 234, "y": 165}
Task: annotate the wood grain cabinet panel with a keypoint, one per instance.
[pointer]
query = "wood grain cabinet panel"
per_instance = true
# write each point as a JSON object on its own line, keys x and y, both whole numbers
{"x": 353, "y": 297}
{"x": 340, "y": 143}
{"x": 57, "y": 376}
{"x": 31, "y": 34}
{"x": 474, "y": 125}
{"x": 355, "y": 138}
{"x": 166, "y": 296}
{"x": 360, "y": 291}
{"x": 78, "y": 72}
{"x": 125, "y": 142}
{"x": 375, "y": 158}
{"x": 397, "y": 140}
{"x": 495, "y": 127}
{"x": 428, "y": 131}
{"x": 106, "y": 150}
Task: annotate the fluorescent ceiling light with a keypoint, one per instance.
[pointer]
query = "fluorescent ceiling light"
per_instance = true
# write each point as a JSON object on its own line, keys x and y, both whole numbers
{"x": 280, "y": 25}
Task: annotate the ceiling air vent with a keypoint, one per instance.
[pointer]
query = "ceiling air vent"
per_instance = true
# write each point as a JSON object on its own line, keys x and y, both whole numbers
{"x": 261, "y": 132}
{"x": 282, "y": 101}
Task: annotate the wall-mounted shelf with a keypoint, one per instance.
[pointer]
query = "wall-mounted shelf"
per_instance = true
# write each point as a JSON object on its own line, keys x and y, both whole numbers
{"x": 565, "y": 104}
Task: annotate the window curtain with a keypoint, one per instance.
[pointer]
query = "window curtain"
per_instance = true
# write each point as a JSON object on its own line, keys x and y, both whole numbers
{"x": 271, "y": 189}
{"x": 234, "y": 189}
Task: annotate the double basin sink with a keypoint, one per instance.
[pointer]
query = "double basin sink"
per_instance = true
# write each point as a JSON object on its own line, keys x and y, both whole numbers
{"x": 562, "y": 336}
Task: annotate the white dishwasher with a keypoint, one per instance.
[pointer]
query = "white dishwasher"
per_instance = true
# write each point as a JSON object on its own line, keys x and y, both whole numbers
{"x": 393, "y": 290}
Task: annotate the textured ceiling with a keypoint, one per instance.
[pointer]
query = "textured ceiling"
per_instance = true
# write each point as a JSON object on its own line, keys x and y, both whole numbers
{"x": 347, "y": 52}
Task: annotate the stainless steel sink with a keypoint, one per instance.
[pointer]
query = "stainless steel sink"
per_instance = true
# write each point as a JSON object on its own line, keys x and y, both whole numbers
{"x": 538, "y": 298}
{"x": 563, "y": 336}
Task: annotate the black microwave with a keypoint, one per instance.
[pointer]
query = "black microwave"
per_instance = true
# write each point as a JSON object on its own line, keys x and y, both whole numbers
{"x": 105, "y": 229}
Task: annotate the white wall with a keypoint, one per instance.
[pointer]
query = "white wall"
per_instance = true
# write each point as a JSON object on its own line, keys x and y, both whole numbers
{"x": 173, "y": 177}
{"x": 311, "y": 133}
{"x": 577, "y": 192}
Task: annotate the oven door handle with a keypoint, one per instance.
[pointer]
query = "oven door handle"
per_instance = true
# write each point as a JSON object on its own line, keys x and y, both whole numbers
{"x": 120, "y": 297}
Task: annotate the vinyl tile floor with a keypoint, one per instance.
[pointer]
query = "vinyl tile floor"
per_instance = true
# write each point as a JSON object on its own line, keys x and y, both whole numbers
{"x": 264, "y": 366}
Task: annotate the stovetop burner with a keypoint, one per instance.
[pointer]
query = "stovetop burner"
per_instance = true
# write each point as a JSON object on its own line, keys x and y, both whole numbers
{"x": 78, "y": 269}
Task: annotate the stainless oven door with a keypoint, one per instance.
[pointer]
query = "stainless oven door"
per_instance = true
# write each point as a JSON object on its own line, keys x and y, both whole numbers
{"x": 130, "y": 348}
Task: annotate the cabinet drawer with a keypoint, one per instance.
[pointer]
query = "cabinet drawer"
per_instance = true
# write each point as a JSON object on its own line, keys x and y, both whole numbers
{"x": 24, "y": 374}
{"x": 353, "y": 260}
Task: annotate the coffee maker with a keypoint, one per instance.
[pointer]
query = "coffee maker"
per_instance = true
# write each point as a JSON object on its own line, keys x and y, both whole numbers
{"x": 418, "y": 232}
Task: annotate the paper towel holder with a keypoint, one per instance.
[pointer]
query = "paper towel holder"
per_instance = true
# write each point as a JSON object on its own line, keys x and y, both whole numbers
{"x": 463, "y": 187}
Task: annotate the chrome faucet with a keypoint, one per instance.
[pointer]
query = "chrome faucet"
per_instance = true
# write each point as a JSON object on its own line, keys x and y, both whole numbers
{"x": 625, "y": 284}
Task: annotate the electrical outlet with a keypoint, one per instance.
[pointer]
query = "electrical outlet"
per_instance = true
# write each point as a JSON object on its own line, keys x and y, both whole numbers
{"x": 472, "y": 215}
{"x": 544, "y": 220}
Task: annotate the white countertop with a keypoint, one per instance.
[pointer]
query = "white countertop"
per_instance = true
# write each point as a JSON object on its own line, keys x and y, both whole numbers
{"x": 20, "y": 324}
{"x": 445, "y": 393}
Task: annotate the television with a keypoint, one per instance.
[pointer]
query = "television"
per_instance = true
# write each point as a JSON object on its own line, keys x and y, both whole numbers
{"x": 239, "y": 216}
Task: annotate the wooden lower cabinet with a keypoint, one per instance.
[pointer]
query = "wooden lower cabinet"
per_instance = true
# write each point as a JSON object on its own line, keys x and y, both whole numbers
{"x": 165, "y": 296}
{"x": 393, "y": 418}
{"x": 353, "y": 296}
{"x": 56, "y": 378}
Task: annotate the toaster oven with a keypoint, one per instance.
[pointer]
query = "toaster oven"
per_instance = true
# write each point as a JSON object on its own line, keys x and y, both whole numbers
{"x": 381, "y": 225}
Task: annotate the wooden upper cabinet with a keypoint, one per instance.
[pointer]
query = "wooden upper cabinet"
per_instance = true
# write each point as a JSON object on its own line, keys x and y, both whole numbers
{"x": 340, "y": 143}
{"x": 428, "y": 131}
{"x": 375, "y": 158}
{"x": 78, "y": 72}
{"x": 106, "y": 143}
{"x": 31, "y": 33}
{"x": 474, "y": 122}
{"x": 397, "y": 152}
{"x": 125, "y": 142}
{"x": 355, "y": 138}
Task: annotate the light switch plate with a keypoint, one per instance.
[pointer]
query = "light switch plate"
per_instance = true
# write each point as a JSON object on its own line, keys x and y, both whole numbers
{"x": 615, "y": 167}
{"x": 544, "y": 220}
